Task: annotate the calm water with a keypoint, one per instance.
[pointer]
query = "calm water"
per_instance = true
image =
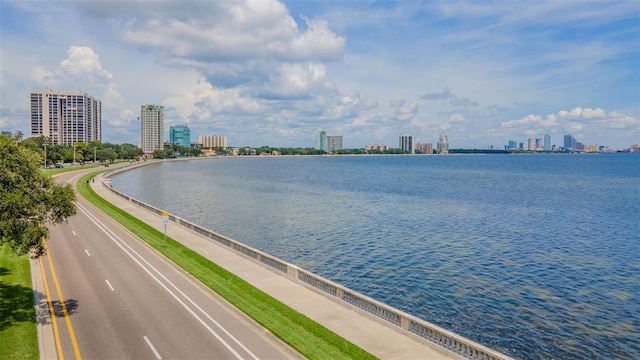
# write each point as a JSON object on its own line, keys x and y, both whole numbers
{"x": 534, "y": 255}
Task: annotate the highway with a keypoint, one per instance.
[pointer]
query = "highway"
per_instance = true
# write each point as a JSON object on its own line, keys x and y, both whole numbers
{"x": 114, "y": 297}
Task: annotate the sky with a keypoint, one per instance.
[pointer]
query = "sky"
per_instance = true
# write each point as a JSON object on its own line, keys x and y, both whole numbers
{"x": 266, "y": 72}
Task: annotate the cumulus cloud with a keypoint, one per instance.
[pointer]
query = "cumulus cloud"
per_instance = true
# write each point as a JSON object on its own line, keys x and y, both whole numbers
{"x": 232, "y": 31}
{"x": 83, "y": 62}
{"x": 576, "y": 121}
{"x": 297, "y": 81}
{"x": 403, "y": 109}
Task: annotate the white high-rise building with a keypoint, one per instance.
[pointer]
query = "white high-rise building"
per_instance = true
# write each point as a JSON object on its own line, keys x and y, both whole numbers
{"x": 443, "y": 144}
{"x": 65, "y": 117}
{"x": 406, "y": 143}
{"x": 151, "y": 128}
{"x": 212, "y": 141}
{"x": 334, "y": 143}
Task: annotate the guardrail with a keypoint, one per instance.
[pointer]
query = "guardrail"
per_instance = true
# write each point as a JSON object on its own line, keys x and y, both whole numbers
{"x": 410, "y": 324}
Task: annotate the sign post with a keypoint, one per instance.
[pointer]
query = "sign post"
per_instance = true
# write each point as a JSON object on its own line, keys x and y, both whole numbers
{"x": 165, "y": 220}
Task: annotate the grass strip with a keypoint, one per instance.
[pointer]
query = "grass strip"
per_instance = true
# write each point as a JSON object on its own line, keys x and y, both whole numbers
{"x": 18, "y": 331}
{"x": 308, "y": 337}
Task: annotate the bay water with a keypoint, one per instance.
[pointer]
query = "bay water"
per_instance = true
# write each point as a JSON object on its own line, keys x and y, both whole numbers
{"x": 537, "y": 256}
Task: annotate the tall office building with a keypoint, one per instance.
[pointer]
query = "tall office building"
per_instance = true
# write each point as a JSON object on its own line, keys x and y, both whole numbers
{"x": 547, "y": 143}
{"x": 152, "y": 128}
{"x": 334, "y": 143}
{"x": 531, "y": 145}
{"x": 321, "y": 140}
{"x": 406, "y": 143}
{"x": 180, "y": 135}
{"x": 443, "y": 144}
{"x": 212, "y": 141}
{"x": 513, "y": 145}
{"x": 569, "y": 142}
{"x": 65, "y": 117}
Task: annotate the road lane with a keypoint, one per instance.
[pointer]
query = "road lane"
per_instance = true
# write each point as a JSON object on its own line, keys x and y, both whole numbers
{"x": 126, "y": 301}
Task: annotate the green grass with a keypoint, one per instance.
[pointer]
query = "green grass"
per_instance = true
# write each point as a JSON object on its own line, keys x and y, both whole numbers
{"x": 18, "y": 332}
{"x": 311, "y": 339}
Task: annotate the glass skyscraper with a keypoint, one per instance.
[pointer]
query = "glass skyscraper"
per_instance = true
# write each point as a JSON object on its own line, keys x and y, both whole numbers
{"x": 180, "y": 135}
{"x": 321, "y": 140}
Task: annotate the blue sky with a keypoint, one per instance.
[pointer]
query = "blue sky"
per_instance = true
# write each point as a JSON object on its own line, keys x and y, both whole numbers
{"x": 271, "y": 73}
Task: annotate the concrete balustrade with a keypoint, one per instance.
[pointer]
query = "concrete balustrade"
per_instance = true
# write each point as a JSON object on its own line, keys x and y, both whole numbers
{"x": 411, "y": 325}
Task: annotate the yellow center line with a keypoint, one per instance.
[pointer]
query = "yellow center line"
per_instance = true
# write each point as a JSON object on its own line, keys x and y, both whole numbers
{"x": 72, "y": 335}
{"x": 54, "y": 322}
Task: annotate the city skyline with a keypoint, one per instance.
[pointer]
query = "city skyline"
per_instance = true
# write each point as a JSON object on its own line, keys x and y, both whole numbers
{"x": 274, "y": 72}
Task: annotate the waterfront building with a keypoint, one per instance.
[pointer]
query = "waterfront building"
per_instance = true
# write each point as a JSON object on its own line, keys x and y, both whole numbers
{"x": 531, "y": 144}
{"x": 151, "y": 128}
{"x": 425, "y": 148}
{"x": 65, "y": 117}
{"x": 381, "y": 147}
{"x": 443, "y": 144}
{"x": 579, "y": 146}
{"x": 334, "y": 143}
{"x": 569, "y": 142}
{"x": 547, "y": 143}
{"x": 212, "y": 141}
{"x": 513, "y": 145}
{"x": 321, "y": 140}
{"x": 180, "y": 135}
{"x": 591, "y": 148}
{"x": 539, "y": 145}
{"x": 406, "y": 143}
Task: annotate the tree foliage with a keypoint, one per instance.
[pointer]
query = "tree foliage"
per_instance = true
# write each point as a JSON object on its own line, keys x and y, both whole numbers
{"x": 28, "y": 198}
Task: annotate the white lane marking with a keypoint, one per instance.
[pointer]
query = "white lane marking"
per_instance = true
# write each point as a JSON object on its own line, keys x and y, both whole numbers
{"x": 121, "y": 243}
{"x": 73, "y": 232}
{"x": 155, "y": 352}
{"x": 108, "y": 283}
{"x": 87, "y": 251}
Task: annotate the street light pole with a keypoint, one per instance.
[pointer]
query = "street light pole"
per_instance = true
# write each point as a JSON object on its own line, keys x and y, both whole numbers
{"x": 45, "y": 155}
{"x": 94, "y": 154}
{"x": 74, "y": 154}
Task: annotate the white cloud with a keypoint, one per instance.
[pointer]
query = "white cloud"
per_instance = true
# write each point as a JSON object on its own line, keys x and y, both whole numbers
{"x": 83, "y": 62}
{"x": 457, "y": 118}
{"x": 233, "y": 31}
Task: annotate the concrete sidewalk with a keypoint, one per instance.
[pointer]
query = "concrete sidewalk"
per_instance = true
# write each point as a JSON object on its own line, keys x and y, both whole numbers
{"x": 377, "y": 338}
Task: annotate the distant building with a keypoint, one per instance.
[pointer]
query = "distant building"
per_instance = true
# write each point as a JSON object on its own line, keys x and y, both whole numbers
{"x": 579, "y": 146}
{"x": 212, "y": 141}
{"x": 65, "y": 117}
{"x": 381, "y": 147}
{"x": 547, "y": 143}
{"x": 539, "y": 145}
{"x": 321, "y": 140}
{"x": 443, "y": 144}
{"x": 569, "y": 142}
{"x": 406, "y": 143}
{"x": 532, "y": 145}
{"x": 591, "y": 148}
{"x": 425, "y": 148}
{"x": 180, "y": 135}
{"x": 334, "y": 143}
{"x": 513, "y": 145}
{"x": 151, "y": 128}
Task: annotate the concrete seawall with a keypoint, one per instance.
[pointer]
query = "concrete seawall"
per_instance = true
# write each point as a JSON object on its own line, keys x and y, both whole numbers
{"x": 382, "y": 330}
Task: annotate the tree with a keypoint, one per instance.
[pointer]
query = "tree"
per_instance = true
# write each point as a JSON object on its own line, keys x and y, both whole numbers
{"x": 29, "y": 199}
